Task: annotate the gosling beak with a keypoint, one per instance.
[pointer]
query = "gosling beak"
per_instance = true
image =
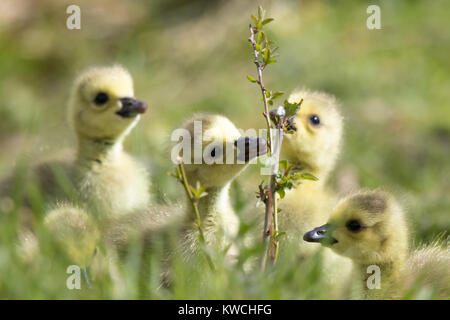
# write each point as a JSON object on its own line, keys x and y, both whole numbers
{"x": 320, "y": 234}
{"x": 250, "y": 147}
{"x": 290, "y": 125}
{"x": 131, "y": 107}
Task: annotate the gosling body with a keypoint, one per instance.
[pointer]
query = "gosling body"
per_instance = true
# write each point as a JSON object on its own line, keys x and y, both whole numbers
{"x": 369, "y": 227}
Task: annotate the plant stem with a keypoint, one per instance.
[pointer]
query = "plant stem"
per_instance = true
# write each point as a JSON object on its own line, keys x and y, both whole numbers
{"x": 279, "y": 137}
{"x": 194, "y": 203}
{"x": 270, "y": 201}
{"x": 268, "y": 228}
{"x": 263, "y": 88}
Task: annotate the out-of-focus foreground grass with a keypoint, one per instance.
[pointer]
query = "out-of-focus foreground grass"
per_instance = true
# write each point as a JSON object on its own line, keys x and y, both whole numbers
{"x": 188, "y": 56}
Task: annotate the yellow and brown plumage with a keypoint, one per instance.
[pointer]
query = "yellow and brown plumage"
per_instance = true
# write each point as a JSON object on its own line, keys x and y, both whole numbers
{"x": 102, "y": 111}
{"x": 369, "y": 227}
{"x": 101, "y": 181}
{"x": 312, "y": 148}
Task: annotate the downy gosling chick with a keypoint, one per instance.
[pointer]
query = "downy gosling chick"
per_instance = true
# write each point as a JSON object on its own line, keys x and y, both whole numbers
{"x": 312, "y": 148}
{"x": 102, "y": 110}
{"x": 369, "y": 227}
{"x": 226, "y": 153}
{"x": 217, "y": 139}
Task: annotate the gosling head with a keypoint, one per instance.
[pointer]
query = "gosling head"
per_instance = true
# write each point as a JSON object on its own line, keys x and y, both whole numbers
{"x": 224, "y": 151}
{"x": 367, "y": 227}
{"x": 315, "y": 143}
{"x": 102, "y": 103}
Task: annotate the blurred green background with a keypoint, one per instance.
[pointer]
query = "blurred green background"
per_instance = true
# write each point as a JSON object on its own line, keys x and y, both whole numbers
{"x": 193, "y": 55}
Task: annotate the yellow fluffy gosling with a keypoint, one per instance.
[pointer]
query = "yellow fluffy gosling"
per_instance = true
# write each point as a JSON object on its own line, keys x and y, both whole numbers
{"x": 216, "y": 136}
{"x": 313, "y": 148}
{"x": 102, "y": 180}
{"x": 369, "y": 227}
{"x": 102, "y": 110}
{"x": 219, "y": 137}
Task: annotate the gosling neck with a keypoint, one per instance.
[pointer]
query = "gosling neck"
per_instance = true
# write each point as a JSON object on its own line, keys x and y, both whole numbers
{"x": 99, "y": 150}
{"x": 217, "y": 202}
{"x": 303, "y": 167}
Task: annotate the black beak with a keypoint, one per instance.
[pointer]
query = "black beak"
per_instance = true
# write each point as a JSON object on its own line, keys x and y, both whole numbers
{"x": 290, "y": 126}
{"x": 320, "y": 234}
{"x": 131, "y": 107}
{"x": 250, "y": 147}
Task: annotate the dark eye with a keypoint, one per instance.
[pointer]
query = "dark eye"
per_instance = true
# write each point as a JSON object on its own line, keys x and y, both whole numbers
{"x": 213, "y": 152}
{"x": 353, "y": 226}
{"x": 101, "y": 98}
{"x": 314, "y": 119}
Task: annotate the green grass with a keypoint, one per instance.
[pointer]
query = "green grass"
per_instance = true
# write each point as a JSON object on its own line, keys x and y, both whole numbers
{"x": 186, "y": 56}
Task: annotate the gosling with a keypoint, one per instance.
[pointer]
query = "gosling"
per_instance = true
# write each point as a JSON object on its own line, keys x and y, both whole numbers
{"x": 312, "y": 148}
{"x": 369, "y": 227}
{"x": 102, "y": 181}
{"x": 220, "y": 141}
{"x": 102, "y": 111}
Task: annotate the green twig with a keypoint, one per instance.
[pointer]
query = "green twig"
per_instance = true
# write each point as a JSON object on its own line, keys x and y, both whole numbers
{"x": 263, "y": 55}
{"x": 194, "y": 202}
{"x": 269, "y": 199}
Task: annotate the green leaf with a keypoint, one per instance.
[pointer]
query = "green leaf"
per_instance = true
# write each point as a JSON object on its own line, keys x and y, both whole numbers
{"x": 281, "y": 192}
{"x": 255, "y": 19}
{"x": 266, "y": 55}
{"x": 258, "y": 46}
{"x": 268, "y": 94}
{"x": 251, "y": 79}
{"x": 266, "y": 21}
{"x": 261, "y": 13}
{"x": 194, "y": 191}
{"x": 271, "y": 61}
{"x": 277, "y": 94}
{"x": 260, "y": 36}
{"x": 284, "y": 164}
{"x": 263, "y": 37}
{"x": 308, "y": 176}
{"x": 291, "y": 108}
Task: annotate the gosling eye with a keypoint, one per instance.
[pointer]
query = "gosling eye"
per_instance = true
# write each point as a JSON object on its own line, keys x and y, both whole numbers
{"x": 314, "y": 120}
{"x": 354, "y": 226}
{"x": 101, "y": 98}
{"x": 213, "y": 152}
